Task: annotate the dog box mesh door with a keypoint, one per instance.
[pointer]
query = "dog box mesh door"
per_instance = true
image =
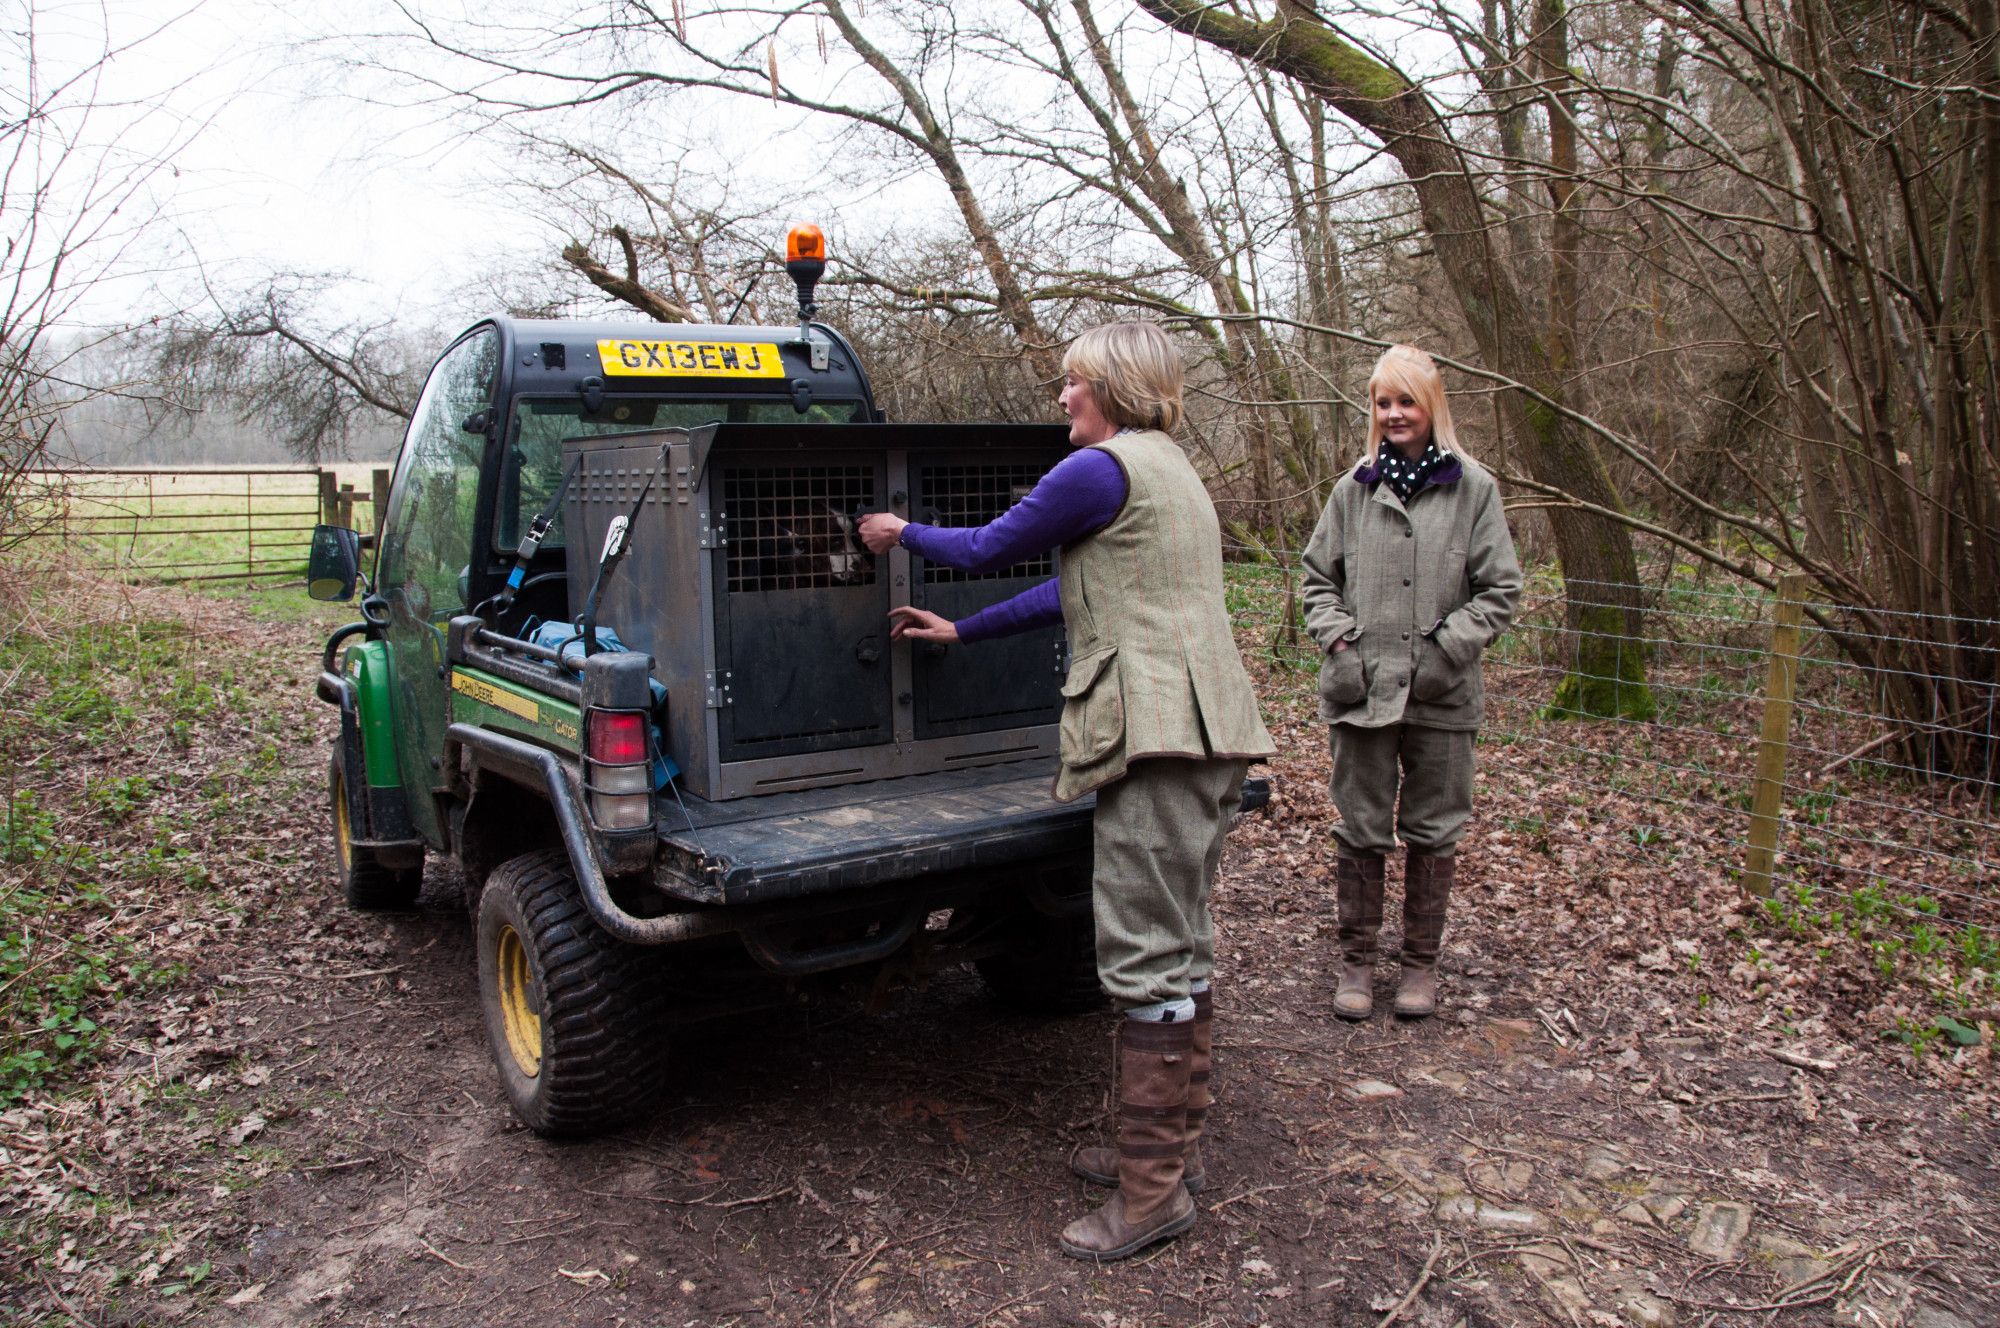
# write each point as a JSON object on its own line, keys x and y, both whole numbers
{"x": 1008, "y": 683}
{"x": 802, "y": 634}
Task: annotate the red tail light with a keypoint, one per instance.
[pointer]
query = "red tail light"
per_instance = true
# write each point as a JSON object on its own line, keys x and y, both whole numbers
{"x": 617, "y": 737}
{"x": 619, "y": 773}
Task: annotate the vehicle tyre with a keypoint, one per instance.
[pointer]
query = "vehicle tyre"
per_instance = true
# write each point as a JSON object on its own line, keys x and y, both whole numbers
{"x": 366, "y": 883}
{"x": 572, "y": 1015}
{"x": 1049, "y": 965}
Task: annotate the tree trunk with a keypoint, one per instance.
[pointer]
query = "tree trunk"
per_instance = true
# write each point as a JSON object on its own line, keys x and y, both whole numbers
{"x": 1607, "y": 675}
{"x": 943, "y": 152}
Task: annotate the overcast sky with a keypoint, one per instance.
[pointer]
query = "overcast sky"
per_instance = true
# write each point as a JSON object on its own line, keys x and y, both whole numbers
{"x": 294, "y": 170}
{"x": 297, "y": 160}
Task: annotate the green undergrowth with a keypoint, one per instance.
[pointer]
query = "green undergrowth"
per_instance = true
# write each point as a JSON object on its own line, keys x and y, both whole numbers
{"x": 1903, "y": 937}
{"x": 100, "y": 705}
{"x": 1263, "y": 604}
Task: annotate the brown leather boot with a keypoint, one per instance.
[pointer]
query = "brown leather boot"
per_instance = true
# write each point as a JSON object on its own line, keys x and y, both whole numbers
{"x": 1099, "y": 1166}
{"x": 1358, "y": 892}
{"x": 1154, "y": 1061}
{"x": 1426, "y": 893}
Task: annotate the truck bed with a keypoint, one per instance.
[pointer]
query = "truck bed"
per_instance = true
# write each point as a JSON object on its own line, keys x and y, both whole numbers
{"x": 786, "y": 845}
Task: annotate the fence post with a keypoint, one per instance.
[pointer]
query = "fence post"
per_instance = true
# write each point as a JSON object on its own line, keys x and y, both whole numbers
{"x": 329, "y": 498}
{"x": 346, "y": 506}
{"x": 378, "y": 495}
{"x": 1781, "y": 681}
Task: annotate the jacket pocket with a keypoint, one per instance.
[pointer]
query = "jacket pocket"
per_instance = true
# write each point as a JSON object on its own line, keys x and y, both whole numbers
{"x": 1093, "y": 718}
{"x": 1435, "y": 678}
{"x": 1451, "y": 588}
{"x": 1342, "y": 681}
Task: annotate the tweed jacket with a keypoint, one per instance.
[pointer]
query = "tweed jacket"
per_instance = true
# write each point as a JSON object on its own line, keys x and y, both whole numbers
{"x": 1417, "y": 592}
{"x": 1153, "y": 664}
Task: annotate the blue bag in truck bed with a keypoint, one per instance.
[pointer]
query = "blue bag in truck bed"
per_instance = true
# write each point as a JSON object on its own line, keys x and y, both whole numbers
{"x": 567, "y": 641}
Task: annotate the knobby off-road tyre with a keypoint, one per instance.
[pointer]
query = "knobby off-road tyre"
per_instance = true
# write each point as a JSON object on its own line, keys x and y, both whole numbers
{"x": 572, "y": 1015}
{"x": 1048, "y": 967}
{"x": 366, "y": 883}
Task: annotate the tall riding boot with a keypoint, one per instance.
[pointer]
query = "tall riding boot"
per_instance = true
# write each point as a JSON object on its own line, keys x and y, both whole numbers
{"x": 1154, "y": 1061}
{"x": 1358, "y": 889}
{"x": 1099, "y": 1166}
{"x": 1426, "y": 893}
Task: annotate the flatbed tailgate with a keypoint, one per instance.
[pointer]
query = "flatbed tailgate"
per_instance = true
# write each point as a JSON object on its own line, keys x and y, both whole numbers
{"x": 760, "y": 850}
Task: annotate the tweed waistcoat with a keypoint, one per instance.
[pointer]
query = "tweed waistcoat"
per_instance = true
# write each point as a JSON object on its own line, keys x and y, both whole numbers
{"x": 1153, "y": 667}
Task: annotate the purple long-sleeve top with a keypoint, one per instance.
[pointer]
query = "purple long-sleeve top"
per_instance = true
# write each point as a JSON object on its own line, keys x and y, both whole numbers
{"x": 1079, "y": 495}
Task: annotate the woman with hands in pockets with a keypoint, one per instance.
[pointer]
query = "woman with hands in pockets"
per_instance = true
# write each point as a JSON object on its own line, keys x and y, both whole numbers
{"x": 1409, "y": 576}
{"x": 1158, "y": 720}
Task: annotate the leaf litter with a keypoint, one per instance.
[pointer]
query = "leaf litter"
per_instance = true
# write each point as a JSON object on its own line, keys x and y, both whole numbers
{"x": 299, "y": 1123}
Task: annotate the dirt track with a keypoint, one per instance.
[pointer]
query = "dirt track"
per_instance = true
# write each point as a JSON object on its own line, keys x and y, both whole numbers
{"x": 312, "y": 1115}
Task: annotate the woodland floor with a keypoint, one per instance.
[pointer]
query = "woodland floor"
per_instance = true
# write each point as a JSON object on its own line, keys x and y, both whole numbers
{"x": 302, "y": 1126}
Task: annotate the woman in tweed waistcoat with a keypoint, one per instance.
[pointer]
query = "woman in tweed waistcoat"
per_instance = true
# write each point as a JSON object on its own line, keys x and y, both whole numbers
{"x": 1159, "y": 721}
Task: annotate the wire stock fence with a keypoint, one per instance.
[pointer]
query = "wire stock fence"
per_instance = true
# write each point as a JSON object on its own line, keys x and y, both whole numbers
{"x": 1772, "y": 754}
{"x": 193, "y": 524}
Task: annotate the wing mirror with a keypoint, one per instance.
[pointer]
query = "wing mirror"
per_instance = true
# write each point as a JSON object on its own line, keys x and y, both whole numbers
{"x": 333, "y": 569}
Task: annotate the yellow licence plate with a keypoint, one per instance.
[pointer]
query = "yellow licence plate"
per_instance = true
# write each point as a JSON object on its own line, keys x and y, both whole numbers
{"x": 691, "y": 359}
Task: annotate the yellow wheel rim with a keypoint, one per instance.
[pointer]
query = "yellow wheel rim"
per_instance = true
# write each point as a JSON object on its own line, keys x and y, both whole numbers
{"x": 518, "y": 1012}
{"x": 343, "y": 834}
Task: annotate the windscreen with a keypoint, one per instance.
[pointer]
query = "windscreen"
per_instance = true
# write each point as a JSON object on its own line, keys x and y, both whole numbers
{"x": 539, "y": 425}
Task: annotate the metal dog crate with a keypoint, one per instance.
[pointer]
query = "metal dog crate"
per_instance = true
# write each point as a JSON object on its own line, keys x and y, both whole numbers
{"x": 768, "y": 621}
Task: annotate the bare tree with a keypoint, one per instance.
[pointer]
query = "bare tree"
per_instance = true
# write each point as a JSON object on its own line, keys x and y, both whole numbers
{"x": 82, "y": 165}
{"x": 1599, "y": 563}
{"x": 1101, "y": 198}
{"x": 271, "y": 357}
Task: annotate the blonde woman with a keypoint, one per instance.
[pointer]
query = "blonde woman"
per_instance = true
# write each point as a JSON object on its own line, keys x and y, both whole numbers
{"x": 1158, "y": 720}
{"x": 1409, "y": 576}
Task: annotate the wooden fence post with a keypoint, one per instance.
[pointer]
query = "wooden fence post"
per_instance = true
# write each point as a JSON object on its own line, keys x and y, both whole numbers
{"x": 1767, "y": 796}
{"x": 346, "y": 506}
{"x": 329, "y": 498}
{"x": 378, "y": 493}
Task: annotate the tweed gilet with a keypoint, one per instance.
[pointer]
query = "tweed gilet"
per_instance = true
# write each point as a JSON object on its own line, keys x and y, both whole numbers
{"x": 1153, "y": 666}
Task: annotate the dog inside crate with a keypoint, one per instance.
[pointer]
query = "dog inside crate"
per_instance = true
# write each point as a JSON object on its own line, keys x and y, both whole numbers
{"x": 797, "y": 527}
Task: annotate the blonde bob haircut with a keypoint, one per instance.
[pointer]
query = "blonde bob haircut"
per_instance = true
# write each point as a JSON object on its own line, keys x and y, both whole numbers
{"x": 1133, "y": 371}
{"x": 1407, "y": 369}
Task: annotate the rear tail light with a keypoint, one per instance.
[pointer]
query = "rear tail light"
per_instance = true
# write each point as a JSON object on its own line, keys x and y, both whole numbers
{"x": 618, "y": 769}
{"x": 618, "y": 737}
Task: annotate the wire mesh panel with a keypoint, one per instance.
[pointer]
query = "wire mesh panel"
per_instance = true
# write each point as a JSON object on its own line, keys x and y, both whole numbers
{"x": 974, "y": 496}
{"x": 794, "y": 527}
{"x": 1005, "y": 683}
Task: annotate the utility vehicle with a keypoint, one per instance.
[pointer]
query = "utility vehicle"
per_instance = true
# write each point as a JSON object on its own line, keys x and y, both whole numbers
{"x": 623, "y": 660}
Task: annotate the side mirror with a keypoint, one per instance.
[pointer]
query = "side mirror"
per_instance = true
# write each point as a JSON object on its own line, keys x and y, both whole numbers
{"x": 334, "y": 567}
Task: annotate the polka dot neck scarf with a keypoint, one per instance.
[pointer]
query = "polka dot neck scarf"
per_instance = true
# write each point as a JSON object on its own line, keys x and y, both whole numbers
{"x": 1402, "y": 474}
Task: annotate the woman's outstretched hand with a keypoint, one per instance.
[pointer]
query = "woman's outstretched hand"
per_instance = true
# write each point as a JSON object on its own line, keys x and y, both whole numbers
{"x": 913, "y": 624}
{"x": 881, "y": 530}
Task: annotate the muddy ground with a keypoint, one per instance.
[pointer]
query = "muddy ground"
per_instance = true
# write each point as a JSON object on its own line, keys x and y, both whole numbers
{"x": 306, "y": 1129}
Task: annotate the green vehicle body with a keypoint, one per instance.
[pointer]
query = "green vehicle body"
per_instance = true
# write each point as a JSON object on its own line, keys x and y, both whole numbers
{"x": 367, "y": 667}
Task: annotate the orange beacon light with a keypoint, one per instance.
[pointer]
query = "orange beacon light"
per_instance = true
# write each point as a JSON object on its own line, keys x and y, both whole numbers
{"x": 805, "y": 243}
{"x": 805, "y": 261}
